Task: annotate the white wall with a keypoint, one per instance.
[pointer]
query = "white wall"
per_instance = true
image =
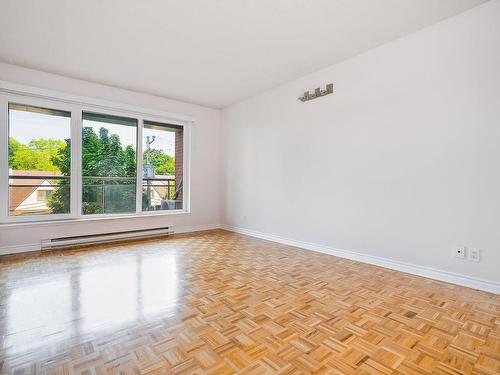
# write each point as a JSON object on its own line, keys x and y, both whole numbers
{"x": 205, "y": 163}
{"x": 401, "y": 162}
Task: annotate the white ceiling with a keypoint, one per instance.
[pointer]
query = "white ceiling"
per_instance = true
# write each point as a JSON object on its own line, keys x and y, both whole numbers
{"x": 210, "y": 52}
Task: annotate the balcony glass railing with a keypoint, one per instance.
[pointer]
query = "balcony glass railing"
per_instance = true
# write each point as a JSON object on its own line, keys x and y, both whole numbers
{"x": 41, "y": 194}
{"x": 108, "y": 195}
{"x": 160, "y": 194}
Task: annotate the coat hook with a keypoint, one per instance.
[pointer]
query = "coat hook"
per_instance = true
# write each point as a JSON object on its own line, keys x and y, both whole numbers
{"x": 317, "y": 93}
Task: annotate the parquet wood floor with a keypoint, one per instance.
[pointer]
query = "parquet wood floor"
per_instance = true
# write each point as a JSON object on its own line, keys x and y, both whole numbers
{"x": 223, "y": 303}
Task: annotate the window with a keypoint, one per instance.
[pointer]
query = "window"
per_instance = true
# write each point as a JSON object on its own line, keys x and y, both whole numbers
{"x": 162, "y": 170}
{"x": 43, "y": 195}
{"x": 39, "y": 160}
{"x": 67, "y": 160}
{"x": 108, "y": 164}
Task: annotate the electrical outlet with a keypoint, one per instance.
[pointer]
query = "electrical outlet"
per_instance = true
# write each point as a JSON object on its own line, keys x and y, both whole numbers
{"x": 473, "y": 254}
{"x": 459, "y": 252}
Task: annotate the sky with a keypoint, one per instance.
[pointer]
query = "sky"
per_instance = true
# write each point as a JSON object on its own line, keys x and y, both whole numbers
{"x": 25, "y": 126}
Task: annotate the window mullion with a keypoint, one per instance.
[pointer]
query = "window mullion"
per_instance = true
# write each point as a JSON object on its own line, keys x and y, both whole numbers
{"x": 138, "y": 194}
{"x": 76, "y": 162}
{"x": 4, "y": 159}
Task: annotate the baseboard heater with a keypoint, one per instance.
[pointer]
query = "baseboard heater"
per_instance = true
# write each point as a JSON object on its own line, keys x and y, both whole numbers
{"x": 92, "y": 239}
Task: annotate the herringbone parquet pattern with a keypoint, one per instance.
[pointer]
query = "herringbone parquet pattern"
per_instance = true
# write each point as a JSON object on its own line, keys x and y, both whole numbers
{"x": 222, "y": 303}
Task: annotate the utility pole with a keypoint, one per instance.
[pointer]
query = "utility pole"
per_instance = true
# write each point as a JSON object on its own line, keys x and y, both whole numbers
{"x": 148, "y": 147}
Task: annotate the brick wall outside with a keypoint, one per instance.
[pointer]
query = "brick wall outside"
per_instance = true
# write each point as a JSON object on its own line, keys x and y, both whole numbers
{"x": 179, "y": 159}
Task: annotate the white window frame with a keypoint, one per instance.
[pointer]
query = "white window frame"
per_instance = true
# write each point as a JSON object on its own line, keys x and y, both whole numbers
{"x": 76, "y": 105}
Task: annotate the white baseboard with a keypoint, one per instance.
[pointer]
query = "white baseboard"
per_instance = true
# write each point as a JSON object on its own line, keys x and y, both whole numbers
{"x": 432, "y": 273}
{"x": 17, "y": 249}
{"x": 195, "y": 228}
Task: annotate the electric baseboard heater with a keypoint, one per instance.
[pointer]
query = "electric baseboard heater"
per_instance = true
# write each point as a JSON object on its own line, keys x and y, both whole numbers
{"x": 55, "y": 243}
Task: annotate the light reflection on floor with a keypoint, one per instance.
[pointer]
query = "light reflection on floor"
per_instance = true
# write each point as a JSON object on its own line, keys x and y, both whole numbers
{"x": 88, "y": 299}
{"x": 161, "y": 271}
{"x": 36, "y": 310}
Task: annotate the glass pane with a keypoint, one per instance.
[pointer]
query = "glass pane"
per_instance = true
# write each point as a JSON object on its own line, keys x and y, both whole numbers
{"x": 39, "y": 160}
{"x": 108, "y": 164}
{"x": 162, "y": 166}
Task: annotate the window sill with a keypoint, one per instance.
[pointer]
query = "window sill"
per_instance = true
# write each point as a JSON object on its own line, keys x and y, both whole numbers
{"x": 91, "y": 218}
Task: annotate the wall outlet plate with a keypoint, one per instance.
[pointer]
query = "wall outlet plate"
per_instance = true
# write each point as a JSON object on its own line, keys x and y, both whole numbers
{"x": 473, "y": 254}
{"x": 459, "y": 252}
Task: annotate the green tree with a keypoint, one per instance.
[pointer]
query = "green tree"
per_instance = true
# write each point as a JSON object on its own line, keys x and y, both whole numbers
{"x": 130, "y": 161}
{"x": 39, "y": 154}
{"x": 164, "y": 164}
{"x": 91, "y": 146}
{"x": 104, "y": 156}
{"x": 14, "y": 145}
{"x": 59, "y": 201}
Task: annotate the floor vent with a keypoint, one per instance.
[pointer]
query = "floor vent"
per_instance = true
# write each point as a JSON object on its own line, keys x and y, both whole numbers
{"x": 54, "y": 243}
